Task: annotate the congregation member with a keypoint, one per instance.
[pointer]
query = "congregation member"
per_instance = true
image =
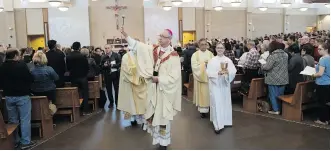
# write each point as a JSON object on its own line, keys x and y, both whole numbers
{"x": 221, "y": 71}
{"x": 250, "y": 66}
{"x": 96, "y": 55}
{"x": 229, "y": 53}
{"x": 242, "y": 58}
{"x": 323, "y": 84}
{"x": 16, "y": 80}
{"x": 111, "y": 64}
{"x": 161, "y": 66}
{"x": 93, "y": 69}
{"x": 132, "y": 90}
{"x": 276, "y": 74}
{"x": 78, "y": 67}
{"x": 44, "y": 78}
{"x": 187, "y": 68}
{"x": 306, "y": 53}
{"x": 308, "y": 59}
{"x": 56, "y": 59}
{"x": 199, "y": 63}
{"x": 295, "y": 66}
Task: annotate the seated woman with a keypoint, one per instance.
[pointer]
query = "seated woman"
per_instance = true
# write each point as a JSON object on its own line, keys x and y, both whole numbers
{"x": 276, "y": 70}
{"x": 295, "y": 66}
{"x": 44, "y": 77}
{"x": 93, "y": 67}
{"x": 323, "y": 84}
{"x": 220, "y": 78}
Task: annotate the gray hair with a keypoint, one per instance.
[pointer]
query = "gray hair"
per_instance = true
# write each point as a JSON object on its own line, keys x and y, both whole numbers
{"x": 58, "y": 46}
{"x": 85, "y": 52}
{"x": 251, "y": 43}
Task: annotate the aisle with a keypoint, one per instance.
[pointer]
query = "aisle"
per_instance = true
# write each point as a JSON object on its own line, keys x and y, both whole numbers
{"x": 105, "y": 131}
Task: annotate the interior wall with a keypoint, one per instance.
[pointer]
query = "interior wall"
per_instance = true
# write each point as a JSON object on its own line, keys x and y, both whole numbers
{"x": 34, "y": 21}
{"x": 70, "y": 26}
{"x": 189, "y": 19}
{"x": 21, "y": 30}
{"x": 324, "y": 22}
{"x": 266, "y": 24}
{"x": 298, "y": 23}
{"x": 228, "y": 23}
{"x": 156, "y": 20}
{"x": 199, "y": 23}
{"x": 103, "y": 22}
{"x": 3, "y": 28}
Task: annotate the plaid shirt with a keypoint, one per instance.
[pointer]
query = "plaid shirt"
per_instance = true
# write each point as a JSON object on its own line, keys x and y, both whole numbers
{"x": 230, "y": 55}
{"x": 252, "y": 59}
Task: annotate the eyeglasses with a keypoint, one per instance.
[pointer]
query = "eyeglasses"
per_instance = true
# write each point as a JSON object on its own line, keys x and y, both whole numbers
{"x": 162, "y": 36}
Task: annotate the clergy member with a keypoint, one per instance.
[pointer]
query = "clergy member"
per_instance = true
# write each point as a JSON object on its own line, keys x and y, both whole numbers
{"x": 132, "y": 90}
{"x": 161, "y": 68}
{"x": 221, "y": 71}
{"x": 199, "y": 63}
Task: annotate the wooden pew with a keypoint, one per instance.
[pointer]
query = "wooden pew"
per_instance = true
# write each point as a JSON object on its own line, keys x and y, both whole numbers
{"x": 7, "y": 140}
{"x": 236, "y": 83}
{"x": 94, "y": 92}
{"x": 40, "y": 112}
{"x": 294, "y": 104}
{"x": 190, "y": 87}
{"x": 257, "y": 92}
{"x": 41, "y": 116}
{"x": 68, "y": 103}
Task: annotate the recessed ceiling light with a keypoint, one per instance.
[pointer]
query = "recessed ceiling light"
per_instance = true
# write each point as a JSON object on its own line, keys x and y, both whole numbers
{"x": 286, "y": 4}
{"x": 176, "y": 2}
{"x": 218, "y": 8}
{"x": 303, "y": 9}
{"x": 166, "y": 8}
{"x": 263, "y": 8}
{"x": 55, "y": 3}
{"x": 63, "y": 8}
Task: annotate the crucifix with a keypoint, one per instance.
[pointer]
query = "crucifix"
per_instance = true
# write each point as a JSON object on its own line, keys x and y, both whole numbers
{"x": 116, "y": 8}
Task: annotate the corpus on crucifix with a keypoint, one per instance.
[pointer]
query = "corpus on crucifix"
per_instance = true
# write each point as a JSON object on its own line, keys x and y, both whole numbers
{"x": 116, "y": 8}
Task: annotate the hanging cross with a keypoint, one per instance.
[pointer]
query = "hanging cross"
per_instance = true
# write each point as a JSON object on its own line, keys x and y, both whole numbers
{"x": 116, "y": 8}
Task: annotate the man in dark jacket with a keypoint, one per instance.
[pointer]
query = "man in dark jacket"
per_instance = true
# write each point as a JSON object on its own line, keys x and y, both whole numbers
{"x": 111, "y": 64}
{"x": 16, "y": 80}
{"x": 56, "y": 59}
{"x": 294, "y": 68}
{"x": 187, "y": 68}
{"x": 78, "y": 67}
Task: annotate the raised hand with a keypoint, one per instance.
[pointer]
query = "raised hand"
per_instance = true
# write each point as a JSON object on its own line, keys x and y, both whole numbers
{"x": 123, "y": 32}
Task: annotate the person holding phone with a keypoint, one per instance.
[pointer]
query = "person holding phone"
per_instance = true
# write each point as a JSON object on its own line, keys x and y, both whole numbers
{"x": 111, "y": 64}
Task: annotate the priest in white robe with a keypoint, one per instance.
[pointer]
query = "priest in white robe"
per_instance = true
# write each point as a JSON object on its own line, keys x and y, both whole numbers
{"x": 132, "y": 90}
{"x": 199, "y": 62}
{"x": 221, "y": 71}
{"x": 161, "y": 68}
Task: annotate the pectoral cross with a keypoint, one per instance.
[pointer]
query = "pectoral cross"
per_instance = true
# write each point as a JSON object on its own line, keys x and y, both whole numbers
{"x": 116, "y": 8}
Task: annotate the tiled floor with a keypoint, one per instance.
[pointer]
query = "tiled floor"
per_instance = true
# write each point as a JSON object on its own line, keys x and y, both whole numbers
{"x": 106, "y": 131}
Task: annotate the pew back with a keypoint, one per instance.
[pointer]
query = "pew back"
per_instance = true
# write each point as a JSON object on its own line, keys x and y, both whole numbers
{"x": 67, "y": 97}
{"x": 257, "y": 88}
{"x": 94, "y": 89}
{"x": 191, "y": 82}
{"x": 236, "y": 83}
{"x": 293, "y": 104}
